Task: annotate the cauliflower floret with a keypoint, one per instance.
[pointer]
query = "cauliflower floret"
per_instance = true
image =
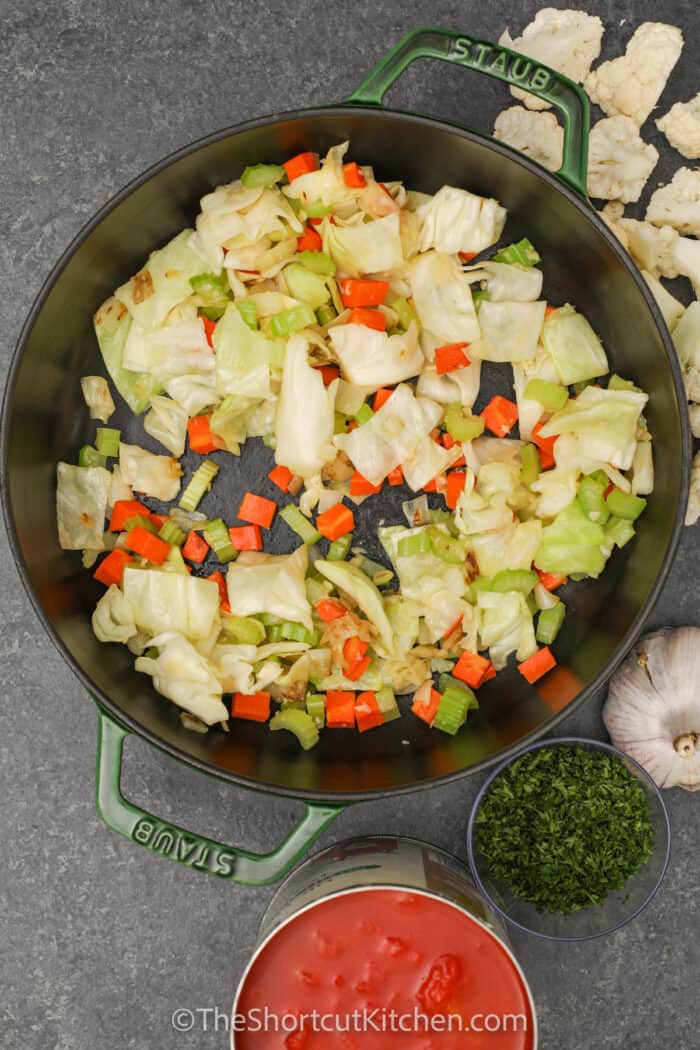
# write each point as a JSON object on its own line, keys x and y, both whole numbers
{"x": 631, "y": 84}
{"x": 671, "y": 309}
{"x": 568, "y": 41}
{"x": 619, "y": 161}
{"x": 686, "y": 339}
{"x": 537, "y": 135}
{"x": 681, "y": 126}
{"x": 693, "y": 512}
{"x": 678, "y": 203}
{"x": 651, "y": 247}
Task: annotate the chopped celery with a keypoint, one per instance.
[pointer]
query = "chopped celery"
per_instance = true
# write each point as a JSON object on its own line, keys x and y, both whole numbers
{"x": 549, "y": 622}
{"x": 299, "y": 723}
{"x": 246, "y": 630}
{"x": 199, "y": 483}
{"x": 591, "y": 496}
{"x": 445, "y": 547}
{"x": 453, "y": 708}
{"x": 107, "y": 441}
{"x": 414, "y": 543}
{"x": 301, "y": 525}
{"x": 531, "y": 603}
{"x": 317, "y": 209}
{"x": 340, "y": 423}
{"x": 619, "y": 531}
{"x": 522, "y": 580}
{"x": 290, "y": 632}
{"x": 338, "y": 549}
{"x": 90, "y": 457}
{"x": 386, "y": 702}
{"x": 214, "y": 293}
{"x": 444, "y": 517}
{"x": 307, "y": 286}
{"x": 140, "y": 521}
{"x": 529, "y": 464}
{"x": 262, "y": 175}
{"x": 552, "y": 396}
{"x": 292, "y": 320}
{"x": 249, "y": 312}
{"x": 267, "y": 619}
{"x": 325, "y": 314}
{"x": 316, "y": 709}
{"x": 172, "y": 533}
{"x": 364, "y": 413}
{"x": 217, "y": 536}
{"x": 460, "y": 424}
{"x": 624, "y": 505}
{"x": 522, "y": 253}
{"x": 404, "y": 311}
{"x": 616, "y": 382}
{"x": 601, "y": 477}
{"x": 317, "y": 262}
{"x": 293, "y": 705}
{"x": 317, "y": 588}
{"x": 441, "y": 666}
{"x": 481, "y": 583}
{"x": 382, "y": 577}
{"x": 212, "y": 313}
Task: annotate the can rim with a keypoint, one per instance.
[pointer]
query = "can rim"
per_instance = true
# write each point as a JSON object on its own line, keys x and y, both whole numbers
{"x": 391, "y": 887}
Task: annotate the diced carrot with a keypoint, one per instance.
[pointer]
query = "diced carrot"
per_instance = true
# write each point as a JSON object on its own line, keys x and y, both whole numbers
{"x": 472, "y": 669}
{"x": 359, "y": 291}
{"x": 381, "y": 397}
{"x": 488, "y": 675}
{"x": 353, "y": 176}
{"x": 302, "y": 164}
{"x": 426, "y": 701}
{"x": 246, "y": 537}
{"x": 124, "y": 509}
{"x": 370, "y": 318}
{"x": 111, "y": 569}
{"x": 255, "y": 707}
{"x": 151, "y": 547}
{"x": 456, "y": 481}
{"x": 500, "y": 415}
{"x": 257, "y": 510}
{"x": 358, "y": 669}
{"x": 329, "y": 373}
{"x": 549, "y": 310}
{"x": 335, "y": 522}
{"x": 310, "y": 241}
{"x": 340, "y": 709}
{"x": 354, "y": 649}
{"x": 538, "y": 664}
{"x": 200, "y": 435}
{"x": 395, "y": 476}
{"x": 281, "y": 476}
{"x": 609, "y": 489}
{"x": 551, "y": 580}
{"x": 218, "y": 578}
{"x": 450, "y": 357}
{"x": 367, "y": 713}
{"x": 430, "y": 486}
{"x": 467, "y": 256}
{"x": 438, "y": 484}
{"x": 195, "y": 548}
{"x": 316, "y": 220}
{"x": 328, "y": 609}
{"x": 449, "y": 442}
{"x": 209, "y": 329}
{"x": 545, "y": 446}
{"x": 360, "y": 486}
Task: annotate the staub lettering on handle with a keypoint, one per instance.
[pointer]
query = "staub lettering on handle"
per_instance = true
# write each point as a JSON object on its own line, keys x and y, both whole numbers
{"x": 171, "y": 842}
{"x": 517, "y": 68}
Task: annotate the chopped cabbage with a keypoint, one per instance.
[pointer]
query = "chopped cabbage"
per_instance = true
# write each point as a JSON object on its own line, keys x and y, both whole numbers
{"x": 184, "y": 676}
{"x": 509, "y": 331}
{"x": 462, "y": 385}
{"x": 194, "y": 392}
{"x": 505, "y": 626}
{"x": 304, "y": 422}
{"x": 82, "y": 494}
{"x": 455, "y": 220}
{"x": 353, "y": 581}
{"x": 112, "y": 323}
{"x": 146, "y": 472}
{"x": 173, "y": 350}
{"x": 244, "y": 357}
{"x": 576, "y": 350}
{"x": 270, "y": 583}
{"x": 369, "y": 247}
{"x": 514, "y": 545}
{"x": 162, "y": 283}
{"x": 507, "y": 282}
{"x": 530, "y": 412}
{"x": 443, "y": 301}
{"x": 572, "y": 544}
{"x": 606, "y": 420}
{"x": 327, "y": 183}
{"x": 97, "y": 397}
{"x": 236, "y": 216}
{"x": 372, "y": 359}
{"x": 171, "y": 601}
{"x": 113, "y": 618}
{"x": 167, "y": 422}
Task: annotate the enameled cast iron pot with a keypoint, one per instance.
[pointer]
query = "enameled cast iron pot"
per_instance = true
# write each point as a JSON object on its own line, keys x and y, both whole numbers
{"x": 44, "y": 420}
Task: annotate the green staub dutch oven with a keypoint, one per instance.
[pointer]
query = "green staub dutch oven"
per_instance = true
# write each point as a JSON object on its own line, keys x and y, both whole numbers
{"x": 45, "y": 421}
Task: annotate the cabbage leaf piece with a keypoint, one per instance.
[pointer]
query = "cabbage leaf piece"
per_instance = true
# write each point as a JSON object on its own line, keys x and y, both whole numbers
{"x": 112, "y": 323}
{"x": 304, "y": 420}
{"x": 82, "y": 495}
{"x": 572, "y": 544}
{"x": 184, "y": 676}
{"x": 455, "y": 220}
{"x": 576, "y": 350}
{"x": 367, "y": 247}
{"x": 171, "y": 601}
{"x": 270, "y": 583}
{"x": 372, "y": 359}
{"x": 505, "y": 626}
{"x": 606, "y": 421}
{"x": 163, "y": 283}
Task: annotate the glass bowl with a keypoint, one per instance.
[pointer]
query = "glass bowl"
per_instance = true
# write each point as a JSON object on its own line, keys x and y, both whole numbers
{"x": 621, "y": 906}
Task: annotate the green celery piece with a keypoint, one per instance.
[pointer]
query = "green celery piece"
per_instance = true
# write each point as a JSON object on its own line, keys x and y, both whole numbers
{"x": 140, "y": 521}
{"x": 339, "y": 549}
{"x": 326, "y": 314}
{"x": 386, "y": 702}
{"x": 317, "y": 262}
{"x": 404, "y": 311}
{"x": 591, "y": 496}
{"x": 340, "y": 423}
{"x": 107, "y": 441}
{"x": 460, "y": 424}
{"x": 364, "y": 413}
{"x": 600, "y": 477}
{"x": 549, "y": 622}
{"x": 620, "y": 531}
{"x": 480, "y": 583}
{"x": 445, "y": 517}
{"x": 529, "y": 464}
{"x": 249, "y": 312}
{"x": 292, "y": 320}
{"x": 246, "y": 630}
{"x": 212, "y": 288}
{"x": 317, "y": 209}
{"x": 616, "y": 382}
{"x": 625, "y": 505}
{"x": 198, "y": 485}
{"x": 262, "y": 175}
{"x": 414, "y": 543}
{"x": 299, "y": 524}
{"x": 452, "y": 710}
{"x": 531, "y": 603}
{"x": 299, "y": 723}
{"x": 90, "y": 457}
{"x": 307, "y": 286}
{"x": 522, "y": 580}
{"x": 112, "y": 323}
{"x": 522, "y": 253}
{"x": 172, "y": 533}
{"x": 445, "y": 547}
{"x": 212, "y": 313}
{"x": 217, "y": 536}
{"x": 552, "y": 396}
{"x": 316, "y": 709}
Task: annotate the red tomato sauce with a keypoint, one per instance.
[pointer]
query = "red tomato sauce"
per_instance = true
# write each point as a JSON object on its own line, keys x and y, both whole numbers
{"x": 385, "y": 950}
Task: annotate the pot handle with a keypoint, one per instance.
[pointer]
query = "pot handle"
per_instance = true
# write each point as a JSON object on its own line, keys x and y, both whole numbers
{"x": 176, "y": 843}
{"x": 495, "y": 61}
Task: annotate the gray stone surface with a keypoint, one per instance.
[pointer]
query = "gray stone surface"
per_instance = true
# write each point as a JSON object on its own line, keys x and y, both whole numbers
{"x": 100, "y": 941}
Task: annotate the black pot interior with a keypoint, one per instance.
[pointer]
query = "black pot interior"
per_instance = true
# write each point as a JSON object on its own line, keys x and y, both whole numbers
{"x": 46, "y": 421}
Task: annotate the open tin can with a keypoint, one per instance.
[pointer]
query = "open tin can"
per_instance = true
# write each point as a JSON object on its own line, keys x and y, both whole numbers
{"x": 366, "y": 923}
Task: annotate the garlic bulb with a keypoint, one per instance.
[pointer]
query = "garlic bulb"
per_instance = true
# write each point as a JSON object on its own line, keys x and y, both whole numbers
{"x": 653, "y": 707}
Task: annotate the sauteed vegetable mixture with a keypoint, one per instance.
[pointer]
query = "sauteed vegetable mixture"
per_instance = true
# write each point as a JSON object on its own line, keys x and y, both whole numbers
{"x": 344, "y": 321}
